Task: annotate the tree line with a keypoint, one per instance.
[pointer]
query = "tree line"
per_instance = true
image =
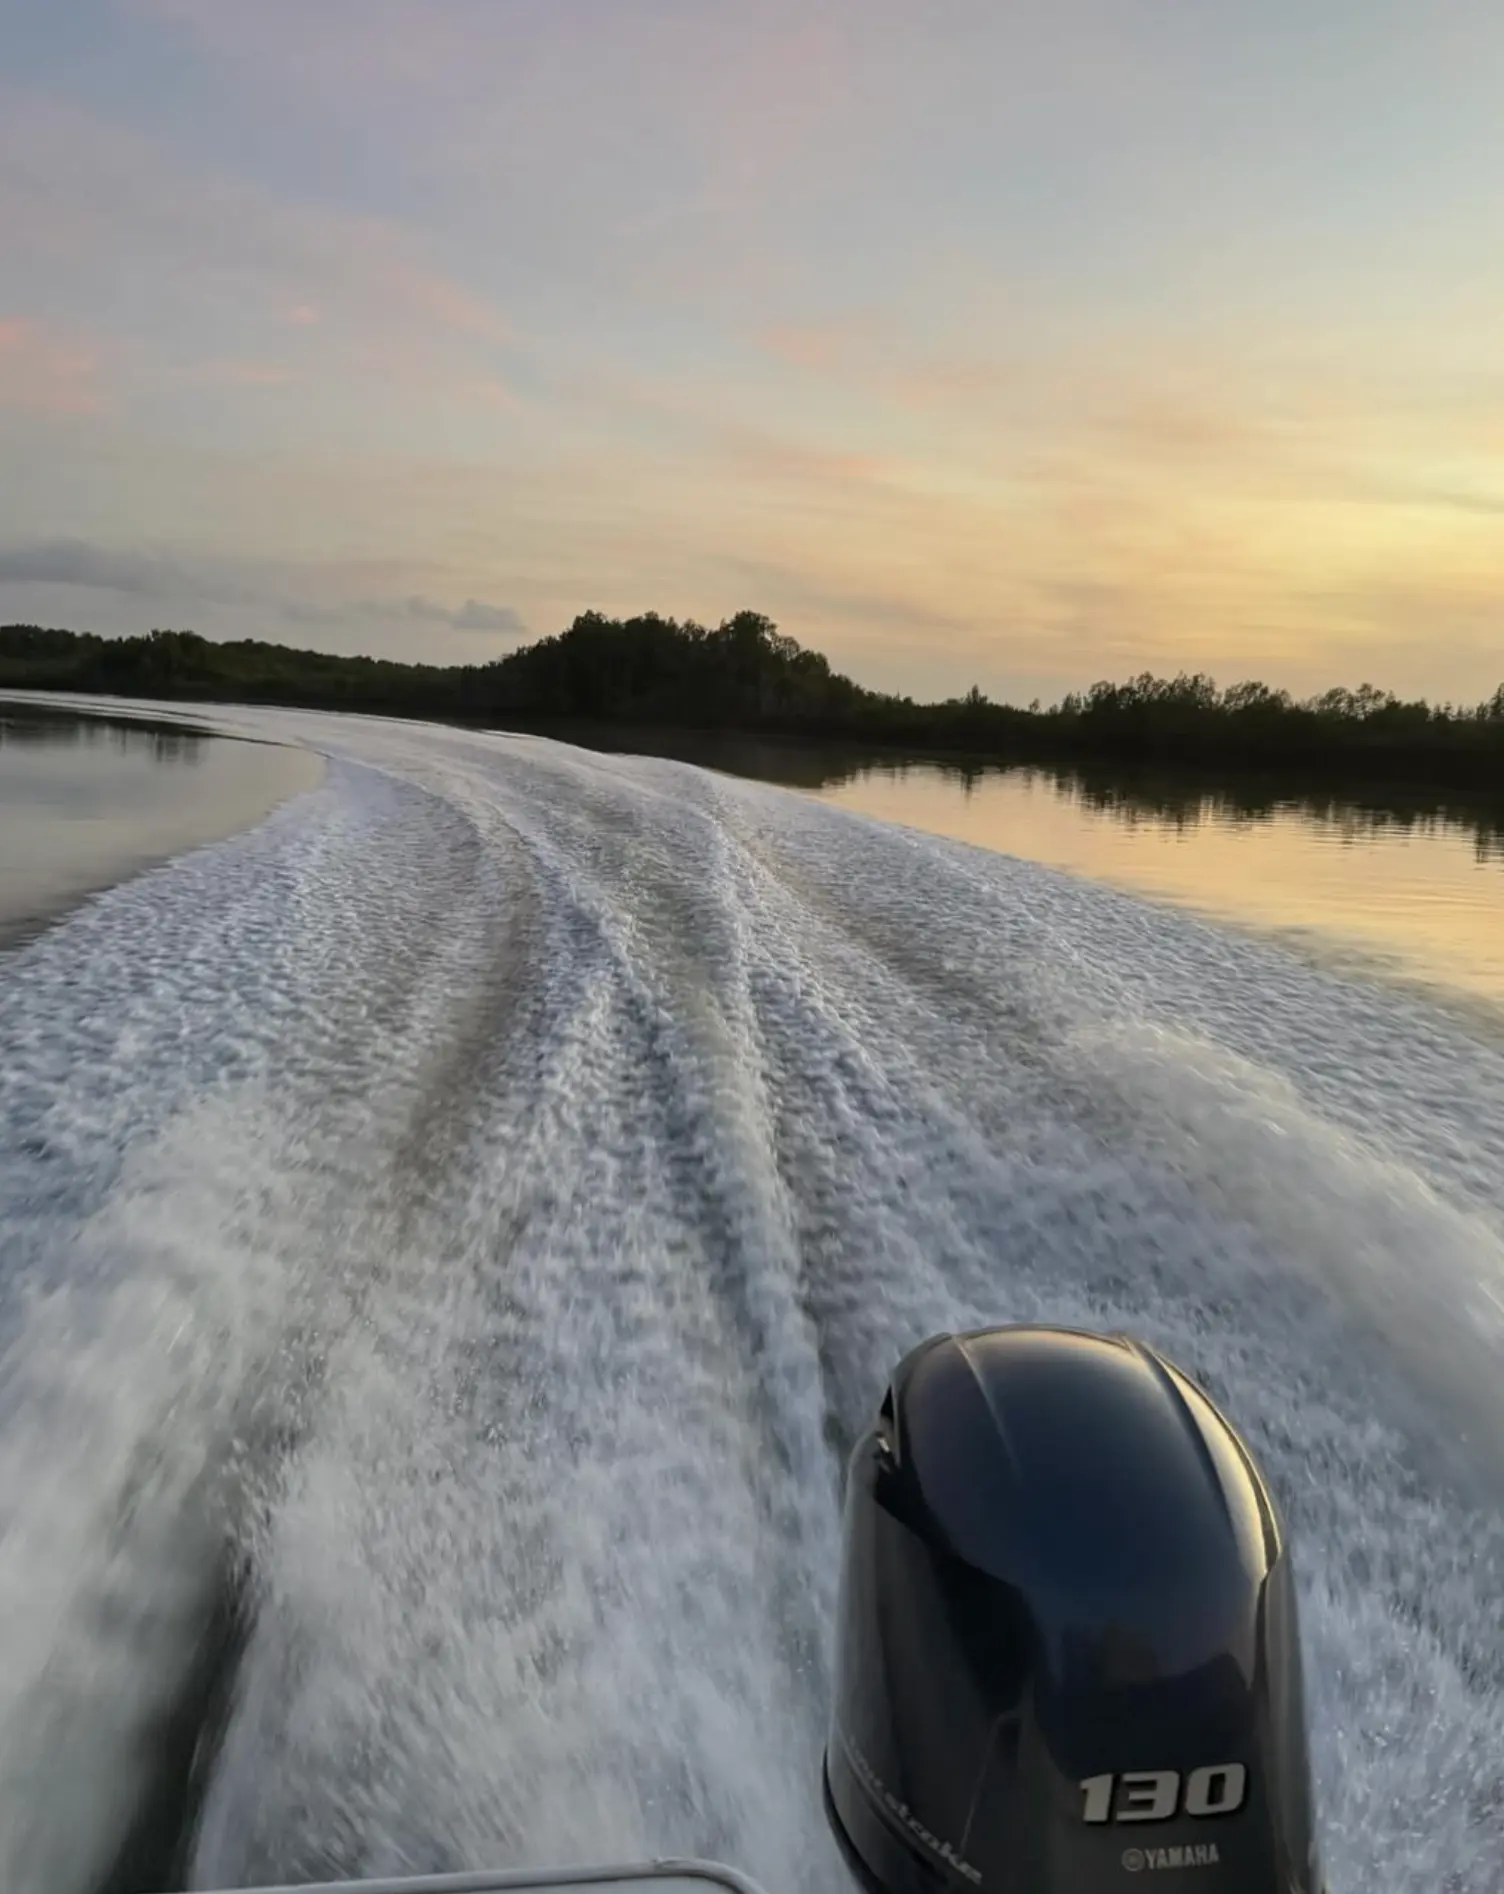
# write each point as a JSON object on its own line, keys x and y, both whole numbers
{"x": 745, "y": 675}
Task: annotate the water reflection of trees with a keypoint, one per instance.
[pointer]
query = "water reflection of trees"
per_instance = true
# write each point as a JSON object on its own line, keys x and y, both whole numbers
{"x": 1359, "y": 814}
{"x": 37, "y": 726}
{"x": 1176, "y": 799}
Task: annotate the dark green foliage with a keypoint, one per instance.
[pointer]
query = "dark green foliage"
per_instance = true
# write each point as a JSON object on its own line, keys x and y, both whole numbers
{"x": 181, "y": 664}
{"x": 655, "y": 669}
{"x": 746, "y": 675}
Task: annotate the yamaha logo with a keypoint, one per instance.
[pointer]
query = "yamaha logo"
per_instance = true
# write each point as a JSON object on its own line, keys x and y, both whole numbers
{"x": 1201, "y": 1854}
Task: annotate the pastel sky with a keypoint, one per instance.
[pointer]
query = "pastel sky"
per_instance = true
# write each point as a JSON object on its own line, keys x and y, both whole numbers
{"x": 1020, "y": 342}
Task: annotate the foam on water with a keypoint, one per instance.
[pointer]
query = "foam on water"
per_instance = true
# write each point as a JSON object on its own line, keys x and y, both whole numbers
{"x": 485, "y": 1201}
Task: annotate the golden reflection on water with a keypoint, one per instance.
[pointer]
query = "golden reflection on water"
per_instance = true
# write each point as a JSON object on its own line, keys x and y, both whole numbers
{"x": 1424, "y": 900}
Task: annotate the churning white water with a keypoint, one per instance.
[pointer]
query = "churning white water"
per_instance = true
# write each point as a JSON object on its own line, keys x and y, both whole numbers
{"x": 478, "y": 1207}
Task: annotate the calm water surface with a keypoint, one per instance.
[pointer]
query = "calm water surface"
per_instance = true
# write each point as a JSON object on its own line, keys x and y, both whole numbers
{"x": 85, "y": 802}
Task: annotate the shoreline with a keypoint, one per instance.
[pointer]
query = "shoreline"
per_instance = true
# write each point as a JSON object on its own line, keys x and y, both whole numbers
{"x": 1391, "y": 776}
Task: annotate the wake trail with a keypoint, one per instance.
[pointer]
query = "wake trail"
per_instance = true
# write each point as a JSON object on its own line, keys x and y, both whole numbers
{"x": 484, "y": 1203}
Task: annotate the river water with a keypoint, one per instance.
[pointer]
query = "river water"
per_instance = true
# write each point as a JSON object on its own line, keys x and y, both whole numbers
{"x": 85, "y": 801}
{"x": 1405, "y": 885}
{"x": 469, "y": 1212}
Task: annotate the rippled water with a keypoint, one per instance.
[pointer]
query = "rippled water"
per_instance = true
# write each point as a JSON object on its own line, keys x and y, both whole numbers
{"x": 475, "y": 1208}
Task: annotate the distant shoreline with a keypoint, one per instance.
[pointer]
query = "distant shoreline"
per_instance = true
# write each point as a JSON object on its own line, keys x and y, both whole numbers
{"x": 892, "y": 784}
{"x": 1164, "y": 786}
{"x": 745, "y": 681}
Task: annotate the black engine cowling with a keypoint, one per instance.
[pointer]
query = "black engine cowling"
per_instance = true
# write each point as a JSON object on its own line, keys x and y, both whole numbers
{"x": 1067, "y": 1647}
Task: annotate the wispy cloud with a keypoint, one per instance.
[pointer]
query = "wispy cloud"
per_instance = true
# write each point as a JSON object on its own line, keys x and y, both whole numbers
{"x": 240, "y": 374}
{"x": 1485, "y": 505}
{"x": 169, "y": 579}
{"x": 80, "y": 195}
{"x": 788, "y": 589}
{"x": 1011, "y": 344}
{"x": 103, "y": 568}
{"x": 43, "y": 373}
{"x": 474, "y": 615}
{"x": 767, "y": 456}
{"x": 817, "y": 348}
{"x": 886, "y": 366}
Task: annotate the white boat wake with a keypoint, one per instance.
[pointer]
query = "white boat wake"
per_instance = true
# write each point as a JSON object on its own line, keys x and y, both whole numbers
{"x": 476, "y": 1208}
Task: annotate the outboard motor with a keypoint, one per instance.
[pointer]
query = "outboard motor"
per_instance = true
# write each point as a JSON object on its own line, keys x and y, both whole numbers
{"x": 1067, "y": 1645}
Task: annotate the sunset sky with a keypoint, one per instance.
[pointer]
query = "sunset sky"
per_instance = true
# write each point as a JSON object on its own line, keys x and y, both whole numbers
{"x": 974, "y": 340}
